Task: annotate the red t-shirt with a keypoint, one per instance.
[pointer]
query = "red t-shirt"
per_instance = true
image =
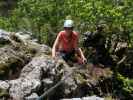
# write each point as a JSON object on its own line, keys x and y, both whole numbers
{"x": 68, "y": 43}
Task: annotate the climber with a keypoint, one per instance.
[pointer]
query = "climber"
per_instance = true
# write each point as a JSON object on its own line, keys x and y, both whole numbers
{"x": 66, "y": 44}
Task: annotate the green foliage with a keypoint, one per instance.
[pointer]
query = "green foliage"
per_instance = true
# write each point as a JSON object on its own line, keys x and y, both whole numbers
{"x": 4, "y": 23}
{"x": 45, "y": 18}
{"x": 38, "y": 17}
{"x": 3, "y": 92}
{"x": 123, "y": 86}
{"x": 127, "y": 84}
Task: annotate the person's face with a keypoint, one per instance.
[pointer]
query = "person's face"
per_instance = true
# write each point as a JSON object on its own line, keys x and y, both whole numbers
{"x": 68, "y": 29}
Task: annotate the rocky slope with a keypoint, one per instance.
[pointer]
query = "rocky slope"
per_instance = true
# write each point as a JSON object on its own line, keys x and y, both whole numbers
{"x": 27, "y": 71}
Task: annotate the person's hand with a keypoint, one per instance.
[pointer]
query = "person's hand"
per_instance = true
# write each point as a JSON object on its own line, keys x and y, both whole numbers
{"x": 84, "y": 60}
{"x": 54, "y": 57}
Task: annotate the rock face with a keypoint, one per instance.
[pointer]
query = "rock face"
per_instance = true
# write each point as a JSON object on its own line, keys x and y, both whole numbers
{"x": 86, "y": 98}
{"x": 31, "y": 72}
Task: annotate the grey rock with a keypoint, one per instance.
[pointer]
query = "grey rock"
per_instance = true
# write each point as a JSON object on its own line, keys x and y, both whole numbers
{"x": 92, "y": 98}
{"x": 20, "y": 88}
{"x": 33, "y": 69}
{"x": 86, "y": 98}
{"x": 4, "y": 34}
{"x": 4, "y": 37}
{"x": 33, "y": 96}
{"x": 4, "y": 85}
{"x": 47, "y": 81}
{"x": 70, "y": 85}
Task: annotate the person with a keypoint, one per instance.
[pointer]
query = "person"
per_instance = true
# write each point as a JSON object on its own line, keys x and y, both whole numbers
{"x": 66, "y": 44}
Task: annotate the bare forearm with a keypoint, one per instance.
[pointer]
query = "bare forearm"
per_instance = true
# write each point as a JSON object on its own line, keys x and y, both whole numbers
{"x": 55, "y": 46}
{"x": 53, "y": 52}
{"x": 81, "y": 53}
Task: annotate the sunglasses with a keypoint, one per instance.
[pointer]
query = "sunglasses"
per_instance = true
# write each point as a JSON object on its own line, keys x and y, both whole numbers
{"x": 68, "y": 28}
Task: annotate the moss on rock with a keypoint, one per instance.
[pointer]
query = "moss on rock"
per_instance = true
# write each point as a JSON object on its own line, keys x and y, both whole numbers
{"x": 3, "y": 93}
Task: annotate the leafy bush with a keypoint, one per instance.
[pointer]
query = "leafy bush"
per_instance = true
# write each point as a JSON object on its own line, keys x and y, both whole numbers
{"x": 123, "y": 87}
{"x": 45, "y": 18}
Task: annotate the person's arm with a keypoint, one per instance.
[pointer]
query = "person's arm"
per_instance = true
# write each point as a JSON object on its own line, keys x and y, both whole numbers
{"x": 79, "y": 51}
{"x": 55, "y": 46}
{"x": 81, "y": 54}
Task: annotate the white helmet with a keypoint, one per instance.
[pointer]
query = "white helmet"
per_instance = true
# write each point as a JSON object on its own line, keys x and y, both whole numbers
{"x": 68, "y": 23}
